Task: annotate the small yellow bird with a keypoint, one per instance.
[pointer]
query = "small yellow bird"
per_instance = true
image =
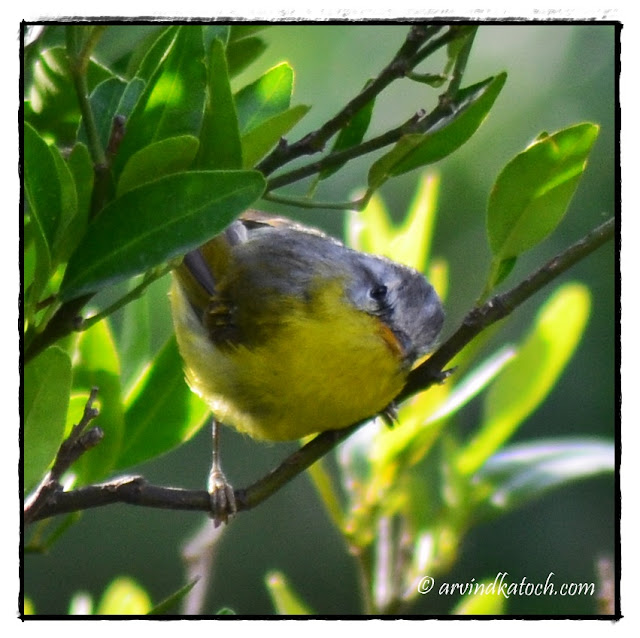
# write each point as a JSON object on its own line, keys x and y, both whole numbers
{"x": 286, "y": 332}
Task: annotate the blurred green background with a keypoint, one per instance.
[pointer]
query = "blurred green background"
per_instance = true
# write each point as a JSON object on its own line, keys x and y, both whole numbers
{"x": 557, "y": 75}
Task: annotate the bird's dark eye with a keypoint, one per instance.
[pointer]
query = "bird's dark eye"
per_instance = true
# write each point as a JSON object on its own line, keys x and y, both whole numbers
{"x": 378, "y": 293}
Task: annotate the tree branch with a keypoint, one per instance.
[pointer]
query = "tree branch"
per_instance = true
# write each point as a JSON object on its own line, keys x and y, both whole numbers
{"x": 136, "y": 491}
{"x": 407, "y": 57}
{"x": 73, "y": 447}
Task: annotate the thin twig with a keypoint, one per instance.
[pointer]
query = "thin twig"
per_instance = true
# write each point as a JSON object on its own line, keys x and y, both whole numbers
{"x": 136, "y": 491}
{"x": 408, "y": 56}
{"x": 75, "y": 445}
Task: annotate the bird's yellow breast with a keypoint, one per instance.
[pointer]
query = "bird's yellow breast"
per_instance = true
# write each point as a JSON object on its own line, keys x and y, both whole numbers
{"x": 325, "y": 366}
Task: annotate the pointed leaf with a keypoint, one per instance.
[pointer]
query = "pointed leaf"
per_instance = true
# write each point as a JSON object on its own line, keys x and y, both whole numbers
{"x": 47, "y": 381}
{"x": 525, "y": 471}
{"x": 221, "y": 147}
{"x": 168, "y": 156}
{"x": 156, "y": 53}
{"x": 163, "y": 413}
{"x": 350, "y": 135}
{"x": 533, "y": 191}
{"x": 42, "y": 184}
{"x": 284, "y": 599}
{"x": 465, "y": 115}
{"x": 172, "y": 102}
{"x": 81, "y": 168}
{"x": 241, "y": 53}
{"x": 155, "y": 222}
{"x": 68, "y": 209}
{"x": 262, "y": 138}
{"x": 169, "y": 604}
{"x": 269, "y": 95}
{"x": 525, "y": 383}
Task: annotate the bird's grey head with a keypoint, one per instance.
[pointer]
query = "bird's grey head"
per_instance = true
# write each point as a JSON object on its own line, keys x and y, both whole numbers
{"x": 402, "y": 298}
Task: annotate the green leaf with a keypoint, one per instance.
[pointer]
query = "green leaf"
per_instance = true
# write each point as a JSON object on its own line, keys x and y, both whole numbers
{"x": 527, "y": 380}
{"x": 170, "y": 603}
{"x": 240, "y": 31}
{"x": 124, "y": 596}
{"x": 533, "y": 191}
{"x": 284, "y": 599}
{"x": 68, "y": 208}
{"x": 262, "y": 138}
{"x": 155, "y": 222}
{"x": 81, "y": 168}
{"x": 350, "y": 135}
{"x": 42, "y": 184}
{"x": 163, "y": 412}
{"x": 500, "y": 270}
{"x": 168, "y": 156}
{"x": 104, "y": 101}
{"x": 47, "y": 381}
{"x": 172, "y": 102}
{"x": 135, "y": 337}
{"x": 269, "y": 95}
{"x": 221, "y": 147}
{"x": 524, "y": 471}
{"x": 96, "y": 364}
{"x": 241, "y": 53}
{"x": 463, "y": 117}
{"x": 53, "y": 100}
{"x": 156, "y": 53}
{"x": 484, "y": 599}
{"x": 43, "y": 194}
{"x": 213, "y": 32}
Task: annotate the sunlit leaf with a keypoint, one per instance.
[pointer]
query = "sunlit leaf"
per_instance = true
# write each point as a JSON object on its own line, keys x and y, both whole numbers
{"x": 524, "y": 384}
{"x": 284, "y": 599}
{"x": 172, "y": 103}
{"x": 412, "y": 241}
{"x": 269, "y": 95}
{"x": 124, "y": 596}
{"x": 47, "y": 380}
{"x": 484, "y": 599}
{"x": 97, "y": 364}
{"x": 466, "y": 114}
{"x": 53, "y": 101}
{"x": 524, "y": 471}
{"x": 370, "y": 230}
{"x": 533, "y": 191}
{"x": 263, "y": 137}
{"x": 163, "y": 412}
